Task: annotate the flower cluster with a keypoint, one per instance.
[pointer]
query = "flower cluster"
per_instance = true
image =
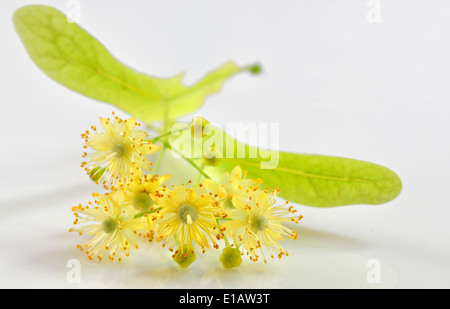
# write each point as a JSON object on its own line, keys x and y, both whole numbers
{"x": 234, "y": 211}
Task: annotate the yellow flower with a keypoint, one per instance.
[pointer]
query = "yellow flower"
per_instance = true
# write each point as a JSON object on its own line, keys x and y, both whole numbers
{"x": 188, "y": 215}
{"x": 121, "y": 149}
{"x": 258, "y": 222}
{"x": 231, "y": 188}
{"x": 140, "y": 194}
{"x": 112, "y": 225}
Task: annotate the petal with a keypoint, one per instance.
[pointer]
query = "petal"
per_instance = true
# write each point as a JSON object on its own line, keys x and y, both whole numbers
{"x": 131, "y": 124}
{"x": 236, "y": 173}
{"x": 162, "y": 179}
{"x": 130, "y": 236}
{"x": 211, "y": 186}
{"x": 107, "y": 126}
{"x": 135, "y": 225}
{"x": 126, "y": 213}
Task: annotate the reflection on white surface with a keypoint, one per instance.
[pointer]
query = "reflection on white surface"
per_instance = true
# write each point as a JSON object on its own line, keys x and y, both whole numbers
{"x": 36, "y": 248}
{"x": 335, "y": 247}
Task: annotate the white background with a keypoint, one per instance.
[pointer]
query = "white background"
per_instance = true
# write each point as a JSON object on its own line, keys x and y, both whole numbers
{"x": 337, "y": 85}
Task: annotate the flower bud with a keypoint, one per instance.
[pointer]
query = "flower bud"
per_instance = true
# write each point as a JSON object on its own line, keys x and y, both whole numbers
{"x": 255, "y": 69}
{"x": 185, "y": 259}
{"x": 230, "y": 257}
{"x": 212, "y": 157}
{"x": 200, "y": 127}
{"x": 96, "y": 173}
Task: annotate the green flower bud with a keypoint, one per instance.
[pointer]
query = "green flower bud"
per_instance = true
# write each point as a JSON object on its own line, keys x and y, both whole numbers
{"x": 230, "y": 257}
{"x": 200, "y": 127}
{"x": 97, "y": 173}
{"x": 255, "y": 69}
{"x": 212, "y": 157}
{"x": 185, "y": 259}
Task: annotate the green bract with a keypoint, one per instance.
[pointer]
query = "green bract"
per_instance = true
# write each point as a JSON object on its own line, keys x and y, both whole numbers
{"x": 313, "y": 180}
{"x": 324, "y": 181}
{"x": 74, "y": 58}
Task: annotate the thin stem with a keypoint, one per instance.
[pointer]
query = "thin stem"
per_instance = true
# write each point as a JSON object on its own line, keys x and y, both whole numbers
{"x": 155, "y": 139}
{"x": 158, "y": 163}
{"x": 146, "y": 213}
{"x": 163, "y": 150}
{"x": 227, "y": 243}
{"x": 187, "y": 160}
{"x": 199, "y": 176}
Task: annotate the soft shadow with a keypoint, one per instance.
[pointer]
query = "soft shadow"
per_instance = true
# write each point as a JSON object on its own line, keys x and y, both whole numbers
{"x": 19, "y": 204}
{"x": 312, "y": 238}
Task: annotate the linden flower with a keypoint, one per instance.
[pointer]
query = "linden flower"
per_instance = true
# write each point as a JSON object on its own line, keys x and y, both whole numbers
{"x": 112, "y": 226}
{"x": 140, "y": 194}
{"x": 258, "y": 222}
{"x": 231, "y": 188}
{"x": 121, "y": 150}
{"x": 188, "y": 215}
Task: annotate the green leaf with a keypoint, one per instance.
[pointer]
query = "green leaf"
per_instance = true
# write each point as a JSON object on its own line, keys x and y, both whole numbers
{"x": 324, "y": 181}
{"x": 72, "y": 57}
{"x": 313, "y": 180}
